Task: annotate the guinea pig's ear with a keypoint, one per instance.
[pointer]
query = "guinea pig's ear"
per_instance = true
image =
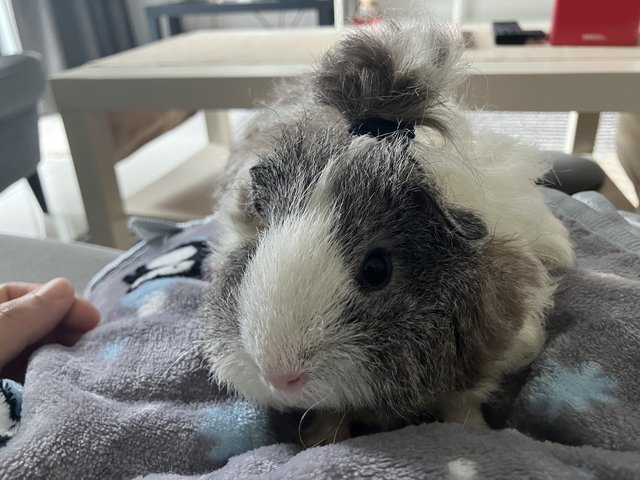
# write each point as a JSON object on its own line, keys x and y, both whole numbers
{"x": 257, "y": 204}
{"x": 392, "y": 76}
{"x": 466, "y": 224}
{"x": 463, "y": 223}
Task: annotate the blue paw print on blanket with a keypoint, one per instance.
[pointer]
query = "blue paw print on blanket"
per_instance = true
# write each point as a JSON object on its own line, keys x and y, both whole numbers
{"x": 586, "y": 474}
{"x": 234, "y": 428}
{"x": 578, "y": 388}
{"x": 112, "y": 349}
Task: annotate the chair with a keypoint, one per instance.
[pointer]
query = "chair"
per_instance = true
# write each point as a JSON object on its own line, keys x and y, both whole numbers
{"x": 22, "y": 83}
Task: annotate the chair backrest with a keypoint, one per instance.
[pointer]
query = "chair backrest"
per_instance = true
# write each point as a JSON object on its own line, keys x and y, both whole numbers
{"x": 22, "y": 83}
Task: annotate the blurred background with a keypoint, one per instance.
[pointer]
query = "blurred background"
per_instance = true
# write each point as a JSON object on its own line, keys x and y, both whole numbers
{"x": 153, "y": 148}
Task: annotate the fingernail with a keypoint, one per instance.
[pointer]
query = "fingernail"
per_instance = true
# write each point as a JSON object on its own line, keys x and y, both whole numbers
{"x": 54, "y": 290}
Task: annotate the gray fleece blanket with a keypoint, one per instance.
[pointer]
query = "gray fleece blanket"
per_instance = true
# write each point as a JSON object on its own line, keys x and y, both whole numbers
{"x": 132, "y": 398}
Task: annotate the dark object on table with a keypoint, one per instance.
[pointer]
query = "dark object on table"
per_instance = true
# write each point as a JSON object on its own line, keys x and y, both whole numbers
{"x": 572, "y": 173}
{"x": 510, "y": 33}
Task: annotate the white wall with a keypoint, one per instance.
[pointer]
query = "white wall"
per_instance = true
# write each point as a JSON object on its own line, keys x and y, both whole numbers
{"x": 476, "y": 11}
{"x": 441, "y": 8}
{"x": 9, "y": 38}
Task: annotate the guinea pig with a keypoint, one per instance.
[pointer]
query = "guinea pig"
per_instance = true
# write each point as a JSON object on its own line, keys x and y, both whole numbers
{"x": 379, "y": 260}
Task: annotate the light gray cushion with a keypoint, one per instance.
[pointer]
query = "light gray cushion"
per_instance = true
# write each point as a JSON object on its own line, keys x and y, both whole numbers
{"x": 31, "y": 260}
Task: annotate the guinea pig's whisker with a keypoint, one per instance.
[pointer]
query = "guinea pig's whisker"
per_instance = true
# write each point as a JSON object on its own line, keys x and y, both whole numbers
{"x": 335, "y": 435}
{"x": 304, "y": 415}
{"x": 466, "y": 418}
{"x": 197, "y": 343}
{"x": 321, "y": 440}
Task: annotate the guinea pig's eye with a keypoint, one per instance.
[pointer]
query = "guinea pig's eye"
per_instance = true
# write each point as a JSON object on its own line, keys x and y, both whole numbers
{"x": 375, "y": 271}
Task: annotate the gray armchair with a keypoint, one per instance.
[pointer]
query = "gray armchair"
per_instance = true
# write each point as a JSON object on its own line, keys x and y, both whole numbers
{"x": 35, "y": 260}
{"x": 22, "y": 83}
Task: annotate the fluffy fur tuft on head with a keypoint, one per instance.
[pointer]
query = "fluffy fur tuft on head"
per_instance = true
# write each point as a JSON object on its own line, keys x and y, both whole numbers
{"x": 404, "y": 73}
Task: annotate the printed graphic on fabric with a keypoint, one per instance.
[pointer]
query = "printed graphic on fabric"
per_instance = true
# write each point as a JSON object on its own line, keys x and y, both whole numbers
{"x": 183, "y": 261}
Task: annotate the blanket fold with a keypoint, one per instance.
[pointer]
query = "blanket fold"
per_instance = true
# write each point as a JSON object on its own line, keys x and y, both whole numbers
{"x": 132, "y": 399}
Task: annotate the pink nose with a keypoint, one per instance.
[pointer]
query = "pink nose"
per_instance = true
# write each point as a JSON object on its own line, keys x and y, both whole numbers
{"x": 286, "y": 382}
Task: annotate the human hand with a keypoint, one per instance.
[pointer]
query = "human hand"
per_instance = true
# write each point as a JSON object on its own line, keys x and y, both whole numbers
{"x": 32, "y": 315}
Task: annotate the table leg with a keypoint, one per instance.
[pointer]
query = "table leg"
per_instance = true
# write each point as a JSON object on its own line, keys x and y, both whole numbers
{"x": 218, "y": 127}
{"x": 628, "y": 146}
{"x": 93, "y": 155}
{"x": 155, "y": 29}
{"x": 175, "y": 26}
{"x": 36, "y": 188}
{"x": 325, "y": 15}
{"x": 581, "y": 132}
{"x": 338, "y": 11}
{"x": 612, "y": 193}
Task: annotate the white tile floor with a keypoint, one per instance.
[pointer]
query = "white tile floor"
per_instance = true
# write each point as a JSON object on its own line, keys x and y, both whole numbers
{"x": 21, "y": 215}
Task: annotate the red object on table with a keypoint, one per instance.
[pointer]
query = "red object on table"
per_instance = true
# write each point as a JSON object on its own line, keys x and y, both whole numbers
{"x": 595, "y": 22}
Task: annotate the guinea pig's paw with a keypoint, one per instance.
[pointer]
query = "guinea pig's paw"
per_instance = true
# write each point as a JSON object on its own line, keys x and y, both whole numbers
{"x": 471, "y": 417}
{"x": 325, "y": 428}
{"x": 464, "y": 408}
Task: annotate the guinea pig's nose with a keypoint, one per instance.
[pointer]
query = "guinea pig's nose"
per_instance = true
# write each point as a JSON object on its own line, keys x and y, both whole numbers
{"x": 286, "y": 382}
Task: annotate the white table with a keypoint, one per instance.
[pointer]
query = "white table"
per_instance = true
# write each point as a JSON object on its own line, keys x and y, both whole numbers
{"x": 219, "y": 70}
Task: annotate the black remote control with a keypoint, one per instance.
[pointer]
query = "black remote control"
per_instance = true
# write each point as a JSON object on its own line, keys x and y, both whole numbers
{"x": 510, "y": 33}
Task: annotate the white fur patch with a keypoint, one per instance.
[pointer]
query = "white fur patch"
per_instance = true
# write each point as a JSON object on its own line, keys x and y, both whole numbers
{"x": 292, "y": 292}
{"x": 493, "y": 176}
{"x": 291, "y": 301}
{"x": 295, "y": 272}
{"x": 528, "y": 341}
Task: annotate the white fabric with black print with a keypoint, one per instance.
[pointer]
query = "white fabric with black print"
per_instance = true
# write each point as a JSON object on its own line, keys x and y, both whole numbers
{"x": 183, "y": 261}
{"x": 10, "y": 409}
